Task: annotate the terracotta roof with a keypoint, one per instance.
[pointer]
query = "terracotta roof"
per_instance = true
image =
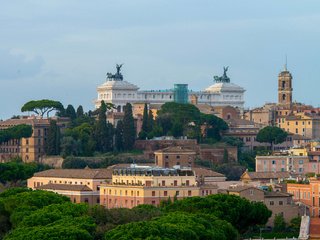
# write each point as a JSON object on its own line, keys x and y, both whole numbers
{"x": 76, "y": 173}
{"x": 67, "y": 187}
{"x": 268, "y": 175}
{"x": 276, "y": 194}
{"x": 242, "y": 188}
{"x": 206, "y": 172}
{"x": 179, "y": 149}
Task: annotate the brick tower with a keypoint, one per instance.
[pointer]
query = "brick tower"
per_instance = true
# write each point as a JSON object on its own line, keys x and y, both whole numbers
{"x": 285, "y": 88}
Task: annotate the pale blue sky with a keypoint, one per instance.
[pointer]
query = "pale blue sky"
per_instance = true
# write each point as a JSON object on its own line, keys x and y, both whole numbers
{"x": 62, "y": 49}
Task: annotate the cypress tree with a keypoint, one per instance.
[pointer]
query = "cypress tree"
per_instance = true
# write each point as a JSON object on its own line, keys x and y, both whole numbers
{"x": 119, "y": 136}
{"x": 129, "y": 132}
{"x": 70, "y": 112}
{"x": 52, "y": 145}
{"x": 101, "y": 130}
{"x": 80, "y": 111}
{"x": 150, "y": 121}
{"x": 145, "y": 119}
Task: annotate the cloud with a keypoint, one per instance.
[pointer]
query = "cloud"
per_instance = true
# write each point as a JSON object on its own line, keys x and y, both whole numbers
{"x": 15, "y": 64}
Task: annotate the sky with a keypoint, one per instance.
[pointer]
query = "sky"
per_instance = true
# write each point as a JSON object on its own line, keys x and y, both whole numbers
{"x": 62, "y": 50}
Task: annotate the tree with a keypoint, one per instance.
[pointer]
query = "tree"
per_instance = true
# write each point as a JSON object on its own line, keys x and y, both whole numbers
{"x": 71, "y": 112}
{"x": 150, "y": 121}
{"x": 145, "y": 126}
{"x": 103, "y": 133}
{"x": 41, "y": 107}
{"x": 52, "y": 145}
{"x": 129, "y": 132}
{"x": 119, "y": 136}
{"x": 279, "y": 223}
{"x": 80, "y": 112}
{"x": 16, "y": 132}
{"x": 272, "y": 135}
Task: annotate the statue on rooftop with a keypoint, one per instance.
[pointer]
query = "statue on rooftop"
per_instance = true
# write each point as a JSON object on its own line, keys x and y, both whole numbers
{"x": 116, "y": 77}
{"x": 224, "y": 78}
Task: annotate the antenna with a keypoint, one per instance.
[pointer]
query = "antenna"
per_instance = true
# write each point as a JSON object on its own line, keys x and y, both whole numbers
{"x": 285, "y": 65}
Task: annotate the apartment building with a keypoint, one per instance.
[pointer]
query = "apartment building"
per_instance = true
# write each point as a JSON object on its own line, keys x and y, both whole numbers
{"x": 150, "y": 185}
{"x": 80, "y": 185}
{"x": 29, "y": 149}
{"x": 286, "y": 163}
{"x": 277, "y": 202}
{"x": 308, "y": 194}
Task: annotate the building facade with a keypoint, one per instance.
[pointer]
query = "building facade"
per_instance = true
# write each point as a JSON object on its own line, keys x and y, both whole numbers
{"x": 119, "y": 92}
{"x": 175, "y": 156}
{"x": 277, "y": 202}
{"x": 133, "y": 186}
{"x": 308, "y": 194}
{"x": 80, "y": 185}
{"x": 29, "y": 149}
{"x": 288, "y": 163}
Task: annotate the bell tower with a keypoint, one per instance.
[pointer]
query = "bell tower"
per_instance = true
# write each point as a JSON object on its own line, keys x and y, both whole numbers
{"x": 285, "y": 88}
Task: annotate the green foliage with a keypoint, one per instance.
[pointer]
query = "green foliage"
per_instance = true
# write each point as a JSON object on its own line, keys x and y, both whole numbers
{"x": 70, "y": 112}
{"x": 40, "y": 107}
{"x": 240, "y": 212}
{"x": 17, "y": 171}
{"x": 233, "y": 141}
{"x": 129, "y": 132}
{"x": 80, "y": 112}
{"x": 295, "y": 224}
{"x": 119, "y": 136}
{"x": 176, "y": 226}
{"x": 272, "y": 135}
{"x": 232, "y": 171}
{"x": 103, "y": 132}
{"x": 52, "y": 145}
{"x": 145, "y": 119}
{"x": 279, "y": 223}
{"x": 213, "y": 126}
{"x": 15, "y": 132}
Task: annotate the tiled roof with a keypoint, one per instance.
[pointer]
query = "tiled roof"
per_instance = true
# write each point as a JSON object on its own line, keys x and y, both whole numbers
{"x": 66, "y": 187}
{"x": 76, "y": 173}
{"x": 276, "y": 194}
{"x": 179, "y": 149}
{"x": 242, "y": 188}
{"x": 206, "y": 172}
{"x": 268, "y": 175}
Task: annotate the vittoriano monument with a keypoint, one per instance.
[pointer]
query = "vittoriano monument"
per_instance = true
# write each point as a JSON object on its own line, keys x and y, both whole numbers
{"x": 224, "y": 78}
{"x": 118, "y": 76}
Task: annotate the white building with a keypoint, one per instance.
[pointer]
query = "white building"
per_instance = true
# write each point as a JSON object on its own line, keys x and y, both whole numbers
{"x": 119, "y": 92}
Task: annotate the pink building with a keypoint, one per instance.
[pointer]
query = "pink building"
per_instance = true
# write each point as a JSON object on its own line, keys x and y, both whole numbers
{"x": 292, "y": 164}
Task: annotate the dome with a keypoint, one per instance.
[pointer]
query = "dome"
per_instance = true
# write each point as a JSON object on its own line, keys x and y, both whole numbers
{"x": 117, "y": 85}
{"x": 224, "y": 87}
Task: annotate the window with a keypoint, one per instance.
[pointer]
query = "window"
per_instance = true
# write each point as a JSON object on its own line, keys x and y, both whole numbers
{"x": 280, "y": 202}
{"x": 189, "y": 193}
{"x": 165, "y": 193}
{"x": 86, "y": 200}
{"x": 273, "y": 162}
{"x": 175, "y": 182}
{"x": 271, "y": 203}
{"x": 138, "y": 193}
{"x": 177, "y": 193}
{"x": 300, "y": 161}
{"x": 187, "y": 182}
{"x": 153, "y": 193}
{"x": 153, "y": 202}
{"x": 163, "y": 182}
{"x": 251, "y": 191}
{"x": 178, "y": 157}
{"x": 166, "y": 157}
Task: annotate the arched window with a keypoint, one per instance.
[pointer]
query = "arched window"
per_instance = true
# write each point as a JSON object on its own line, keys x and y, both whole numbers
{"x": 283, "y": 84}
{"x": 284, "y": 97}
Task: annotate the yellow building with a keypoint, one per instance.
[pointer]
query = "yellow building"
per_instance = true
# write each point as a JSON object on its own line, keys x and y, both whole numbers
{"x": 80, "y": 185}
{"x": 29, "y": 149}
{"x": 304, "y": 124}
{"x": 150, "y": 185}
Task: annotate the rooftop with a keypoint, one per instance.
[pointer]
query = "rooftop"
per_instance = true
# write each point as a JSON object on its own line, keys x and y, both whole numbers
{"x": 66, "y": 187}
{"x": 76, "y": 173}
